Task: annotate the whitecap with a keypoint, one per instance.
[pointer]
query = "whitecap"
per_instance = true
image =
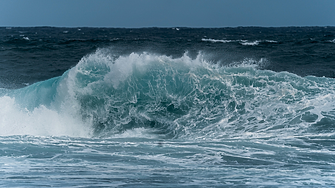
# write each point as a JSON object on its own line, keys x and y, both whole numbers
{"x": 247, "y": 43}
{"x": 216, "y": 40}
{"x": 271, "y": 41}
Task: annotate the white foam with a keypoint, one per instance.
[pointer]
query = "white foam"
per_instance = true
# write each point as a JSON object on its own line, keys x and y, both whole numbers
{"x": 39, "y": 122}
{"x": 249, "y": 62}
{"x": 136, "y": 133}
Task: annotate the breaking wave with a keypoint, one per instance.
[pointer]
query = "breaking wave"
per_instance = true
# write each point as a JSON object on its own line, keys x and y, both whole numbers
{"x": 106, "y": 94}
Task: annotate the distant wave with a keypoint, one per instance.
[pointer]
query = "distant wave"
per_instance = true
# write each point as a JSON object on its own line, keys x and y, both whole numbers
{"x": 243, "y": 42}
{"x": 247, "y": 43}
{"x": 215, "y": 40}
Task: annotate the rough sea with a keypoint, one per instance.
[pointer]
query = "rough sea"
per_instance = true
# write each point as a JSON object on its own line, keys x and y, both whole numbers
{"x": 167, "y": 107}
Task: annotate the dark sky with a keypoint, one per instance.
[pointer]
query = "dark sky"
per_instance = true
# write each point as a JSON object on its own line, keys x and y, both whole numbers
{"x": 167, "y": 13}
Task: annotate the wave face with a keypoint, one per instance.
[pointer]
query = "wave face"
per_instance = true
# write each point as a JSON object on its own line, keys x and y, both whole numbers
{"x": 192, "y": 98}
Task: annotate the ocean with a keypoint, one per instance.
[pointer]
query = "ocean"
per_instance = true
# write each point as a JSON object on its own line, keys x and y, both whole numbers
{"x": 167, "y": 107}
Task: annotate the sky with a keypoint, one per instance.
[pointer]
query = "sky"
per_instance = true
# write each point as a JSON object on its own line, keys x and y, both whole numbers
{"x": 167, "y": 13}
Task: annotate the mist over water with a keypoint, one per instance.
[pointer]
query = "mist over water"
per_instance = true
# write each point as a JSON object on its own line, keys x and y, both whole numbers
{"x": 166, "y": 107}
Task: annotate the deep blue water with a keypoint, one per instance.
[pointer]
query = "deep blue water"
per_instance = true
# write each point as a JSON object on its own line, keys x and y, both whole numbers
{"x": 167, "y": 107}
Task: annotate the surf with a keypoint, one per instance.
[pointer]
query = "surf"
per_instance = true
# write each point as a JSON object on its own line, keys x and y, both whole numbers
{"x": 107, "y": 94}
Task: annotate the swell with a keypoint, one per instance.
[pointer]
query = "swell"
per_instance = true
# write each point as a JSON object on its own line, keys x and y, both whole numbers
{"x": 106, "y": 94}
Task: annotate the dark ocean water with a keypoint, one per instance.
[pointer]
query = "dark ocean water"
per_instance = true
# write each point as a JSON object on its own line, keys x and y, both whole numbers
{"x": 167, "y": 107}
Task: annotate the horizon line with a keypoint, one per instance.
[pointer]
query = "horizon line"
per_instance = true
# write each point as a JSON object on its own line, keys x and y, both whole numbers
{"x": 167, "y": 27}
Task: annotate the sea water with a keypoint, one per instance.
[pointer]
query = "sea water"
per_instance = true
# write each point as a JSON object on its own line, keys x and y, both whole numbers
{"x": 167, "y": 107}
